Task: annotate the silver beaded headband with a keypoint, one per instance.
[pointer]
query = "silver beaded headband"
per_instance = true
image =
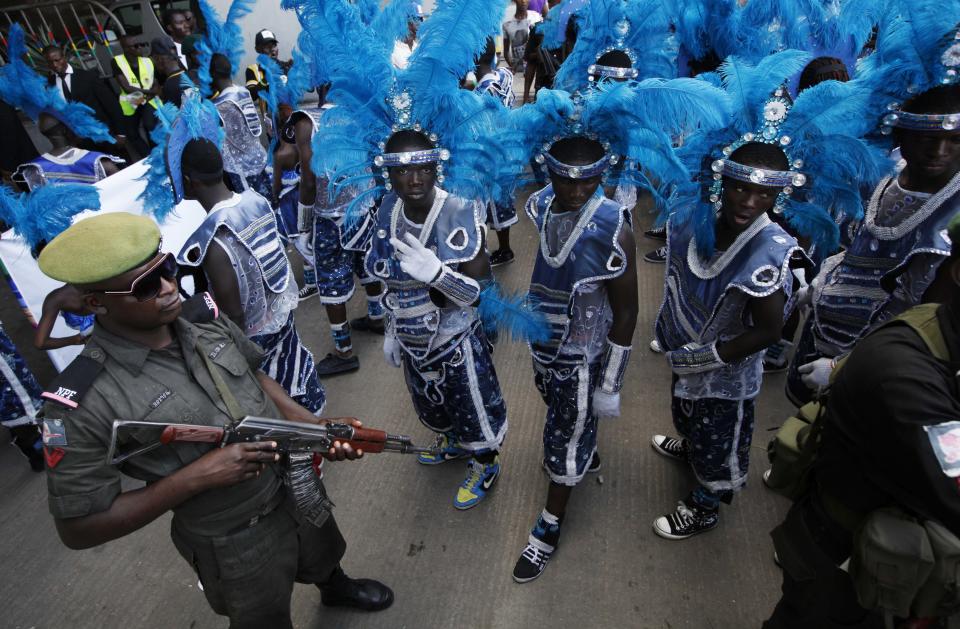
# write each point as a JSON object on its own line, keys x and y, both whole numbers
{"x": 406, "y": 158}
{"x": 611, "y": 72}
{"x": 918, "y": 122}
{"x": 775, "y": 112}
{"x": 584, "y": 171}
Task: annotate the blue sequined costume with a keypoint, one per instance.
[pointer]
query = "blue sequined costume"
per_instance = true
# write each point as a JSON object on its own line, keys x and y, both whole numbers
{"x": 707, "y": 302}
{"x": 575, "y": 257}
{"x": 245, "y": 228}
{"x": 446, "y": 356}
{"x": 73, "y": 166}
{"x": 244, "y": 158}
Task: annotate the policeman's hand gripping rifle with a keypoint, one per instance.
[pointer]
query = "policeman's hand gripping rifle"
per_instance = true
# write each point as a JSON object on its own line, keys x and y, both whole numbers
{"x": 291, "y": 437}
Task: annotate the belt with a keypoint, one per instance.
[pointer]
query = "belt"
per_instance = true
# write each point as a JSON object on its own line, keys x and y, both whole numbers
{"x": 269, "y": 507}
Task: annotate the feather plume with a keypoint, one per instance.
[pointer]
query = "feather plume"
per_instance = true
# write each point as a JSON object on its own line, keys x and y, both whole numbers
{"x": 390, "y": 22}
{"x": 512, "y": 314}
{"x": 157, "y": 195}
{"x": 554, "y": 27}
{"x": 750, "y": 85}
{"x": 21, "y": 87}
{"x": 224, "y": 38}
{"x": 41, "y": 215}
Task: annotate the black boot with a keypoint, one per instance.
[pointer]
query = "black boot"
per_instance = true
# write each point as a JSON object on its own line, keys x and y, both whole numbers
{"x": 28, "y": 441}
{"x": 366, "y": 594}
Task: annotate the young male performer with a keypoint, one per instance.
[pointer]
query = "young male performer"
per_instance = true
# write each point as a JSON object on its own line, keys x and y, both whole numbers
{"x": 333, "y": 254}
{"x": 719, "y": 313}
{"x": 585, "y": 281}
{"x": 239, "y": 249}
{"x": 428, "y": 251}
{"x": 245, "y": 158}
{"x": 895, "y": 252}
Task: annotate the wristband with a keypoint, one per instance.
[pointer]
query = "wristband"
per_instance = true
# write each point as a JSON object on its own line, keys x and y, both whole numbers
{"x": 694, "y": 358}
{"x": 304, "y": 218}
{"x": 462, "y": 290}
{"x": 614, "y": 366}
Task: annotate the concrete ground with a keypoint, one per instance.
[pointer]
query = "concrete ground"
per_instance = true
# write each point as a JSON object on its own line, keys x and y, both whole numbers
{"x": 448, "y": 568}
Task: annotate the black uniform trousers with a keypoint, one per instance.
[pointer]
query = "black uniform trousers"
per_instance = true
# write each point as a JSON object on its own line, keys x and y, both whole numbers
{"x": 248, "y": 575}
{"x": 816, "y": 593}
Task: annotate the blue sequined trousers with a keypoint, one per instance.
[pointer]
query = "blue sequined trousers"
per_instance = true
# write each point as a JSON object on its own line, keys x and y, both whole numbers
{"x": 459, "y": 394}
{"x": 720, "y": 432}
{"x": 20, "y": 392}
{"x": 570, "y": 430}
{"x": 335, "y": 266}
{"x": 290, "y": 363}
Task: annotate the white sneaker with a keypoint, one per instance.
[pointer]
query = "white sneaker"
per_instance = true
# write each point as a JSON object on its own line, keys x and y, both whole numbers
{"x": 655, "y": 347}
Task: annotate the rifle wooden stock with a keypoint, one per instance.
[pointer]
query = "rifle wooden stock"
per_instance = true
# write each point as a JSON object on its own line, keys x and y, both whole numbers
{"x": 197, "y": 434}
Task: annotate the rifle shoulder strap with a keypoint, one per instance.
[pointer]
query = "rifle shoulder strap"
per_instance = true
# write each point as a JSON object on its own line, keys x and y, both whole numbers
{"x": 233, "y": 407}
{"x": 923, "y": 320}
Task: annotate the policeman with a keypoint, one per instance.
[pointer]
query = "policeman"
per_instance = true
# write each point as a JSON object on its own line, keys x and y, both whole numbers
{"x": 890, "y": 438}
{"x": 146, "y": 361}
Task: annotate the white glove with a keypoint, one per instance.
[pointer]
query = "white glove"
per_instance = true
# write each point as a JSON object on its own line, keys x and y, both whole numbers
{"x": 804, "y": 296}
{"x": 391, "y": 350}
{"x": 816, "y": 375}
{"x": 606, "y": 405}
{"x": 416, "y": 260}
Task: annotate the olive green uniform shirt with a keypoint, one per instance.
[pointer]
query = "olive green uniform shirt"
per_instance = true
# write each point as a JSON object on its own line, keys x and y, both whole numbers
{"x": 166, "y": 386}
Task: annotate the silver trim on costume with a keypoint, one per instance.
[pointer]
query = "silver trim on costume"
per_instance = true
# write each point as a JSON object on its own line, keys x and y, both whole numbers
{"x": 709, "y": 271}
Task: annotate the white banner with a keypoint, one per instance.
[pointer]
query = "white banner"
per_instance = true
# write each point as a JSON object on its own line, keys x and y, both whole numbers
{"x": 117, "y": 194}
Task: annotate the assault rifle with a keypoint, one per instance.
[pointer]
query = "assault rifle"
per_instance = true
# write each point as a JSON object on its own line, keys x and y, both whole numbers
{"x": 291, "y": 437}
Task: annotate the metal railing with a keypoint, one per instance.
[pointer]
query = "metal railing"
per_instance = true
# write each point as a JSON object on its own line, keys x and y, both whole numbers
{"x": 39, "y": 28}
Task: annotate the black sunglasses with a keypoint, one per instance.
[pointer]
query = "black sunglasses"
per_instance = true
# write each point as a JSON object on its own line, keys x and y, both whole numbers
{"x": 147, "y": 285}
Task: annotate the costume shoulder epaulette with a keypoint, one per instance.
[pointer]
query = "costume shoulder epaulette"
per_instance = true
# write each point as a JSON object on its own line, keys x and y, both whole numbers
{"x": 69, "y": 387}
{"x": 200, "y": 309}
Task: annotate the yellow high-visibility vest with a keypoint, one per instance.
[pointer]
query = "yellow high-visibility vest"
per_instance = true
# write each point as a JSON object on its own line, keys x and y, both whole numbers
{"x": 146, "y": 74}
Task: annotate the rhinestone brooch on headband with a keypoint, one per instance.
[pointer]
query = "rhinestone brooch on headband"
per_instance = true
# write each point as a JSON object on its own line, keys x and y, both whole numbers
{"x": 595, "y": 70}
{"x": 584, "y": 171}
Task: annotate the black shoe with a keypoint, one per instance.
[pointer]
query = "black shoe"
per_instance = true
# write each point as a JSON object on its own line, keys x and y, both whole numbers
{"x": 686, "y": 521}
{"x": 332, "y": 364}
{"x": 657, "y": 256}
{"x": 657, "y": 233}
{"x": 365, "y": 594}
{"x": 307, "y": 292}
{"x": 671, "y": 448}
{"x": 501, "y": 256}
{"x": 366, "y": 324}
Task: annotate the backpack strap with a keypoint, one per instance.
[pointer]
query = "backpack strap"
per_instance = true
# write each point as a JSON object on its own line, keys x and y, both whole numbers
{"x": 924, "y": 321}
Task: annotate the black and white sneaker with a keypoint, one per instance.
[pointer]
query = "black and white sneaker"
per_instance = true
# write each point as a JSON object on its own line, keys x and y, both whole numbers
{"x": 308, "y": 291}
{"x": 657, "y": 256}
{"x": 669, "y": 447}
{"x": 532, "y": 560}
{"x": 686, "y": 521}
{"x": 657, "y": 233}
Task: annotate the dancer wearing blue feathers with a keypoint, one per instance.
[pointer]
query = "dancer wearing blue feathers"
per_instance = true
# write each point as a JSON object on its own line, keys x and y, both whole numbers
{"x": 62, "y": 123}
{"x": 417, "y": 136}
{"x": 584, "y": 279}
{"x": 333, "y": 250}
{"x": 729, "y": 283}
{"x": 238, "y": 246}
{"x": 244, "y": 157}
{"x": 896, "y": 250}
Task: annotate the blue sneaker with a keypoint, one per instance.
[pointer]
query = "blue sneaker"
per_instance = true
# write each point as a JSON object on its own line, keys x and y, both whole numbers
{"x": 479, "y": 481}
{"x": 448, "y": 451}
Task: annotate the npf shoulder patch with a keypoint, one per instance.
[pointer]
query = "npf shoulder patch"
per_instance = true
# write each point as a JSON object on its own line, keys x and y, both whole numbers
{"x": 200, "y": 309}
{"x": 69, "y": 387}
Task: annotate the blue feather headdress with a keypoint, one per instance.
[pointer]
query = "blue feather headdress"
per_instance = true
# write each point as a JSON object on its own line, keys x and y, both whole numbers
{"x": 635, "y": 122}
{"x": 224, "y": 38}
{"x": 41, "y": 215}
{"x": 196, "y": 119}
{"x": 554, "y": 27}
{"x": 638, "y": 28}
{"x": 391, "y": 22}
{"x": 916, "y": 50}
{"x": 819, "y": 133}
{"x": 21, "y": 87}
{"x": 373, "y": 101}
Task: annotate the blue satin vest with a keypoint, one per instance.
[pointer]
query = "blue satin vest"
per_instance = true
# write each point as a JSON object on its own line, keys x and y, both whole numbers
{"x": 857, "y": 283}
{"x": 756, "y": 265}
{"x": 453, "y": 231}
{"x": 253, "y": 222}
{"x": 592, "y": 254}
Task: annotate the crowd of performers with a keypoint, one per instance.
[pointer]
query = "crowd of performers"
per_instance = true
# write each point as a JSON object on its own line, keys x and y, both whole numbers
{"x": 802, "y": 158}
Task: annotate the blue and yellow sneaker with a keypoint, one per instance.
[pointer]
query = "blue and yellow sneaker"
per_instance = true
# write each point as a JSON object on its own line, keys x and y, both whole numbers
{"x": 448, "y": 451}
{"x": 480, "y": 479}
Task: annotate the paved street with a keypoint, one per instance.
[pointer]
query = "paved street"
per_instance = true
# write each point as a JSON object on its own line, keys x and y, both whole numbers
{"x": 448, "y": 568}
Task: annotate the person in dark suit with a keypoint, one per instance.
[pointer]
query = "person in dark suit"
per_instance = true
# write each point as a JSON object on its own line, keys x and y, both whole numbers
{"x": 86, "y": 87}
